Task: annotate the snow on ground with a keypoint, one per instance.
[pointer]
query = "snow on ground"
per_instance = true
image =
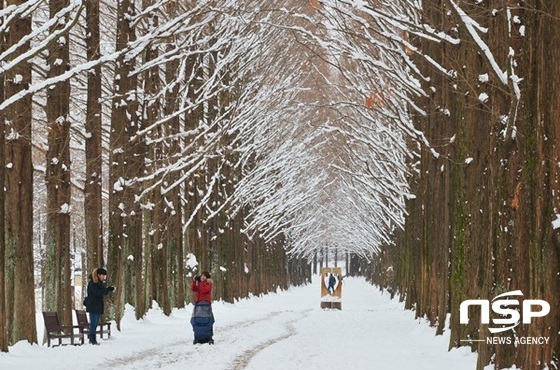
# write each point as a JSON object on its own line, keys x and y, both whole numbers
{"x": 284, "y": 330}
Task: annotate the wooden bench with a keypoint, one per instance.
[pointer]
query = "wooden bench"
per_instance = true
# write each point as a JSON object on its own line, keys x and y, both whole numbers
{"x": 56, "y": 331}
{"x": 102, "y": 328}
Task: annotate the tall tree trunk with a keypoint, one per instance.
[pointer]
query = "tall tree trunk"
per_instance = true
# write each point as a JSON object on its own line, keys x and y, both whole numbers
{"x": 122, "y": 214}
{"x": 3, "y": 317}
{"x": 148, "y": 282}
{"x": 158, "y": 250}
{"x": 160, "y": 256}
{"x": 58, "y": 290}
{"x": 174, "y": 230}
{"x": 195, "y": 236}
{"x": 147, "y": 275}
{"x": 539, "y": 194}
{"x": 134, "y": 164}
{"x": 20, "y": 293}
{"x": 93, "y": 184}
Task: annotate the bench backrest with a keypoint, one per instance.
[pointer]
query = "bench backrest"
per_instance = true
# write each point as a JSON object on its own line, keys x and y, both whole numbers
{"x": 52, "y": 323}
{"x": 81, "y": 316}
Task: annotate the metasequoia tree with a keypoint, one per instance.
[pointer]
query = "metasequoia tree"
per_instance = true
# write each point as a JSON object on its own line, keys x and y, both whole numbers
{"x": 93, "y": 142}
{"x": 165, "y": 133}
{"x": 123, "y": 218}
{"x": 19, "y": 277}
{"x": 196, "y": 92}
{"x": 158, "y": 252}
{"x": 3, "y": 312}
{"x": 198, "y": 89}
{"x": 483, "y": 220}
{"x": 215, "y": 131}
{"x": 173, "y": 209}
{"x": 24, "y": 42}
{"x": 58, "y": 292}
{"x": 357, "y": 152}
{"x": 150, "y": 112}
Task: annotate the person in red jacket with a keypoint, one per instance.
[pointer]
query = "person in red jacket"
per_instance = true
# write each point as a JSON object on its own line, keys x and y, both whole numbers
{"x": 202, "y": 287}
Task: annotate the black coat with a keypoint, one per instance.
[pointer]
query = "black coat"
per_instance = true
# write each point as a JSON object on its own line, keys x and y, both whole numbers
{"x": 95, "y": 294}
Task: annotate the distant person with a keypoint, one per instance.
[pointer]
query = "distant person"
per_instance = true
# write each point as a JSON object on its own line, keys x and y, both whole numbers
{"x": 201, "y": 286}
{"x": 96, "y": 292}
{"x": 332, "y": 282}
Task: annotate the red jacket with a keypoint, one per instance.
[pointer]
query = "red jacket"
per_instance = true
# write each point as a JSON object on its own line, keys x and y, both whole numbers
{"x": 202, "y": 291}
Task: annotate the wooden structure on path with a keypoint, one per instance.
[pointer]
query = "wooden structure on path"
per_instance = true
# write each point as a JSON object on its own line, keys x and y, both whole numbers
{"x": 331, "y": 287}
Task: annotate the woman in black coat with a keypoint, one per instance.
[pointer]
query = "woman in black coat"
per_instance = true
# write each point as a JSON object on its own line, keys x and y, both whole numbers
{"x": 96, "y": 291}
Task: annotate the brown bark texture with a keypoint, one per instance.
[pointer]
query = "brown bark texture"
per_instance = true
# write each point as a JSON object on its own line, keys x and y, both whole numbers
{"x": 58, "y": 276}
{"x": 20, "y": 293}
{"x": 3, "y": 321}
{"x": 93, "y": 185}
{"x": 125, "y": 223}
{"x": 481, "y": 224}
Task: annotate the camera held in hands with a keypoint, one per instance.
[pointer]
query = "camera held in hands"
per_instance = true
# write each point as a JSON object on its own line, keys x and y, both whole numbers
{"x": 197, "y": 278}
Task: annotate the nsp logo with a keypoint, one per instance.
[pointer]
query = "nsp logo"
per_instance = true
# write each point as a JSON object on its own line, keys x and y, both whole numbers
{"x": 510, "y": 316}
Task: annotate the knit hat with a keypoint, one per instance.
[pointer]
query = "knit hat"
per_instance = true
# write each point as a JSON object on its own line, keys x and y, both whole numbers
{"x": 101, "y": 271}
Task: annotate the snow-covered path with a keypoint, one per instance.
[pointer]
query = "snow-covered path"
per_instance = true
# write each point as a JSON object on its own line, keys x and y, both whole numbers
{"x": 286, "y": 330}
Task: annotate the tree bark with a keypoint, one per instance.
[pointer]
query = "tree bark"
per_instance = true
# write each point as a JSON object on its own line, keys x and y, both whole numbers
{"x": 58, "y": 279}
{"x": 20, "y": 294}
{"x": 122, "y": 158}
{"x": 174, "y": 229}
{"x": 481, "y": 223}
{"x": 3, "y": 318}
{"x": 93, "y": 184}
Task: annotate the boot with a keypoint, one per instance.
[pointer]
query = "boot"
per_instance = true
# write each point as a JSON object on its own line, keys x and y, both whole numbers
{"x": 93, "y": 340}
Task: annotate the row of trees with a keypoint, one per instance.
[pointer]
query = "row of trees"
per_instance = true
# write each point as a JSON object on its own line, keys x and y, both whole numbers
{"x": 184, "y": 135}
{"x": 485, "y": 219}
{"x": 127, "y": 136}
{"x": 243, "y": 137}
{"x": 239, "y": 137}
{"x": 465, "y": 91}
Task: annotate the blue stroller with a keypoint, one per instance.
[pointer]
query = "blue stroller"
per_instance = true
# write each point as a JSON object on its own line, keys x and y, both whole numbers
{"x": 202, "y": 321}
